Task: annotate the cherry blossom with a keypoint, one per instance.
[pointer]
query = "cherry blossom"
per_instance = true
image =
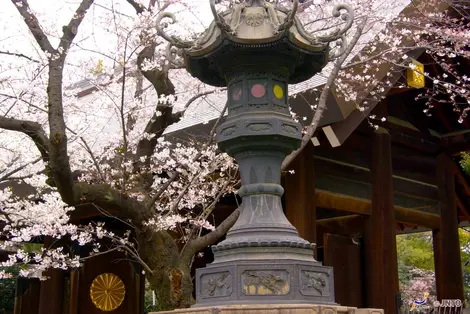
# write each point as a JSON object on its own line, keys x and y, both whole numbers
{"x": 90, "y": 94}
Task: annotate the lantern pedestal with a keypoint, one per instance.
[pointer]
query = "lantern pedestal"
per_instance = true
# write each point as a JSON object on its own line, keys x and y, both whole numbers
{"x": 264, "y": 281}
{"x": 263, "y": 259}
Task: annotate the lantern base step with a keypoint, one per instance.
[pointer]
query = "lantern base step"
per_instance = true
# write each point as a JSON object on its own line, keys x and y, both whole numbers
{"x": 276, "y": 309}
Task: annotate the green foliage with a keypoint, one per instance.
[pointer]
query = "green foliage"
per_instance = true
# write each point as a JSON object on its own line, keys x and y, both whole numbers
{"x": 465, "y": 162}
{"x": 415, "y": 250}
{"x": 32, "y": 247}
{"x": 7, "y": 291}
{"x": 404, "y": 273}
{"x": 148, "y": 301}
{"x": 464, "y": 237}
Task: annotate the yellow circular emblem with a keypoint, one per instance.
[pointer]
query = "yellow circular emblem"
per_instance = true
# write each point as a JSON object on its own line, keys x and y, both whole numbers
{"x": 278, "y": 91}
{"x": 107, "y": 292}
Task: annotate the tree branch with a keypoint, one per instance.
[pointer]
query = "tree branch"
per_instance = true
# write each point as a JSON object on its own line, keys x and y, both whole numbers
{"x": 198, "y": 244}
{"x": 174, "y": 175}
{"x": 324, "y": 96}
{"x": 164, "y": 87}
{"x": 9, "y": 174}
{"x": 33, "y": 24}
{"x": 71, "y": 30}
{"x": 59, "y": 160}
{"x": 196, "y": 97}
{"x": 33, "y": 130}
{"x": 139, "y": 8}
{"x": 109, "y": 199}
{"x": 95, "y": 161}
{"x": 19, "y": 55}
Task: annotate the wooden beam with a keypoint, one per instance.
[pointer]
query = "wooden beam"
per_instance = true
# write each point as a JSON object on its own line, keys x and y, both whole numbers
{"x": 461, "y": 178}
{"x": 341, "y": 202}
{"x": 415, "y": 217}
{"x": 356, "y": 152}
{"x": 381, "y": 277}
{"x": 346, "y": 203}
{"x": 402, "y": 186}
{"x": 448, "y": 268}
{"x": 300, "y": 194}
{"x": 463, "y": 209}
{"x": 344, "y": 225}
{"x": 456, "y": 142}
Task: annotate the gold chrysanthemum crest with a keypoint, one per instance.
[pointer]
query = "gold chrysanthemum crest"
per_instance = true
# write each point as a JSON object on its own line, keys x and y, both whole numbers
{"x": 107, "y": 292}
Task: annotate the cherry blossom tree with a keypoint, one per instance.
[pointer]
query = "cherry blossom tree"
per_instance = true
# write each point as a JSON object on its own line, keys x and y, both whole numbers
{"x": 439, "y": 29}
{"x": 106, "y": 151}
{"x": 421, "y": 287}
{"x": 106, "y": 146}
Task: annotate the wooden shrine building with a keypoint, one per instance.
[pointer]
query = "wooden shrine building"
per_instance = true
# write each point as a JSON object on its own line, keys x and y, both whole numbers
{"x": 354, "y": 189}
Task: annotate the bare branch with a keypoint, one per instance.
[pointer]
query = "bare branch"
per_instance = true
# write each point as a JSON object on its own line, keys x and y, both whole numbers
{"x": 95, "y": 161}
{"x": 152, "y": 4}
{"x": 196, "y": 97}
{"x": 71, "y": 30}
{"x": 93, "y": 255}
{"x": 32, "y": 129}
{"x": 324, "y": 96}
{"x": 9, "y": 174}
{"x": 381, "y": 54}
{"x": 207, "y": 212}
{"x": 33, "y": 24}
{"x": 19, "y": 55}
{"x": 198, "y": 244}
{"x": 28, "y": 175}
{"x": 139, "y": 8}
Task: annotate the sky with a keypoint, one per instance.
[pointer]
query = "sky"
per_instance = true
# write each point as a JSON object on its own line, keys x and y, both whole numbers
{"x": 95, "y": 42}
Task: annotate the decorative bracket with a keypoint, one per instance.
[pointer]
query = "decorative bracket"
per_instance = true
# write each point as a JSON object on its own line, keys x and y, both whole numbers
{"x": 219, "y": 21}
{"x": 173, "y": 40}
{"x": 348, "y": 17}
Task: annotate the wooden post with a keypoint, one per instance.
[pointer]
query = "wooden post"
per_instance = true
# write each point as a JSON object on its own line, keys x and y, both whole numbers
{"x": 447, "y": 264}
{"x": 74, "y": 289}
{"x": 27, "y": 296}
{"x": 52, "y": 293}
{"x": 381, "y": 270}
{"x": 300, "y": 194}
{"x": 51, "y": 299}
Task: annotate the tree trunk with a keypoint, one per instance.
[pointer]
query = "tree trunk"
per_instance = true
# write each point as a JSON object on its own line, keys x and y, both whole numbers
{"x": 171, "y": 278}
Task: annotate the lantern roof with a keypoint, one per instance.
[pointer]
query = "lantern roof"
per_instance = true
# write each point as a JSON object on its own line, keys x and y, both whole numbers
{"x": 257, "y": 33}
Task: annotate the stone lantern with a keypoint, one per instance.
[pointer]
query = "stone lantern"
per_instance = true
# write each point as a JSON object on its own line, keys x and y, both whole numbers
{"x": 256, "y": 49}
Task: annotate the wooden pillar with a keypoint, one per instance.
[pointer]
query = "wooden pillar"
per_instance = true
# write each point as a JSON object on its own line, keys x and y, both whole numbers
{"x": 74, "y": 289}
{"x": 447, "y": 264}
{"x": 300, "y": 194}
{"x": 52, "y": 293}
{"x": 381, "y": 270}
{"x": 51, "y": 298}
{"x": 27, "y": 296}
